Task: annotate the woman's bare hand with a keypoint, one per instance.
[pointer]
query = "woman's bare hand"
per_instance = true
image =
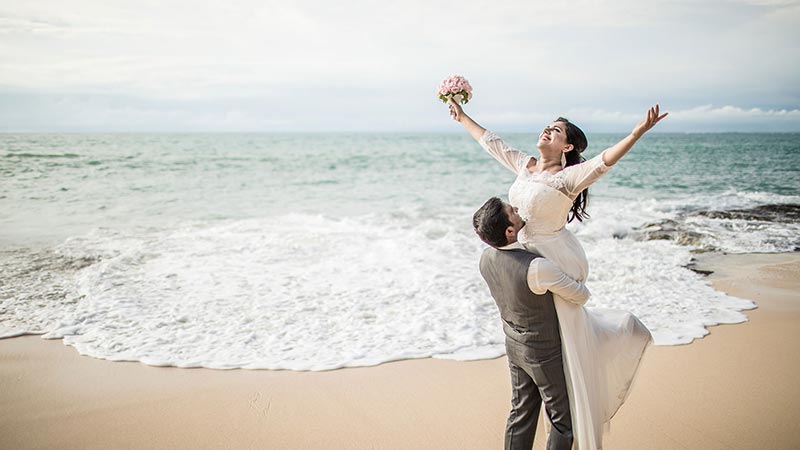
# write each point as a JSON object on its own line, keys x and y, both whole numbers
{"x": 455, "y": 110}
{"x": 652, "y": 119}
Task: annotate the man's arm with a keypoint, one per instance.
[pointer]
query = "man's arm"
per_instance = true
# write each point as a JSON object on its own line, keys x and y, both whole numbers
{"x": 545, "y": 276}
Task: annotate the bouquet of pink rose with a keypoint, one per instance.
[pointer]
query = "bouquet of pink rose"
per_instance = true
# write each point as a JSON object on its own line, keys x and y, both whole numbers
{"x": 457, "y": 87}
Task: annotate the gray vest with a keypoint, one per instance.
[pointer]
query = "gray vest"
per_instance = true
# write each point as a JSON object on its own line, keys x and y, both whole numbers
{"x": 528, "y": 318}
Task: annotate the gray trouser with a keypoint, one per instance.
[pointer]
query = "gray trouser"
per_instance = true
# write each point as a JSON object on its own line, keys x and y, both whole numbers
{"x": 537, "y": 375}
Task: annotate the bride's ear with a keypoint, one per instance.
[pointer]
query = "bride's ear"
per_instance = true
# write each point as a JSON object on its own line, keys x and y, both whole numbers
{"x": 569, "y": 148}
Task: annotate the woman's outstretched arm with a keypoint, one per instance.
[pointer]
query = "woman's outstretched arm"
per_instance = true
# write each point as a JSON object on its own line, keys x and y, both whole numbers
{"x": 457, "y": 113}
{"x": 509, "y": 157}
{"x": 613, "y": 154}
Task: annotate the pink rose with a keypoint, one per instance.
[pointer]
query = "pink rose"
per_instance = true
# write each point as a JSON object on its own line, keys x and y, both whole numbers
{"x": 453, "y": 85}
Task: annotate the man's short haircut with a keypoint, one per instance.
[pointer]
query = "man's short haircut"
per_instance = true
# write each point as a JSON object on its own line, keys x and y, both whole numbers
{"x": 490, "y": 222}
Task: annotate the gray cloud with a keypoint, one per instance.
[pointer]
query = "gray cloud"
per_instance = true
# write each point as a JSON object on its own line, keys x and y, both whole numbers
{"x": 313, "y": 65}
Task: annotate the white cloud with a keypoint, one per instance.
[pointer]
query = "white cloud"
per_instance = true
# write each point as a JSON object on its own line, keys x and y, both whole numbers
{"x": 734, "y": 118}
{"x": 710, "y": 113}
{"x": 699, "y": 118}
{"x": 587, "y": 60}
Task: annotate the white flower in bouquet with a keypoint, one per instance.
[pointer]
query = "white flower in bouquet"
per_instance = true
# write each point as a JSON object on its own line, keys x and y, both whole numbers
{"x": 457, "y": 87}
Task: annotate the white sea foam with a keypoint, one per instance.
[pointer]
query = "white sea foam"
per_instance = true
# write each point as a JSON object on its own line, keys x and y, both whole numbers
{"x": 297, "y": 292}
{"x": 7, "y": 332}
{"x": 745, "y": 236}
{"x": 619, "y": 217}
{"x": 307, "y": 292}
{"x": 650, "y": 278}
{"x": 32, "y": 289}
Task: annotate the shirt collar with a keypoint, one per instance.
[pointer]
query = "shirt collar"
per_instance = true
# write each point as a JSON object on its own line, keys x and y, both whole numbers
{"x": 513, "y": 246}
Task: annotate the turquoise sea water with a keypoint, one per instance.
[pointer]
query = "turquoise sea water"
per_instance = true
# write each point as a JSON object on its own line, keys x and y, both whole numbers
{"x": 57, "y": 185}
{"x": 364, "y": 237}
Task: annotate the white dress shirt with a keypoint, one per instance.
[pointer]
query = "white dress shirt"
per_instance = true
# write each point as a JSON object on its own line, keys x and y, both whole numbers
{"x": 545, "y": 276}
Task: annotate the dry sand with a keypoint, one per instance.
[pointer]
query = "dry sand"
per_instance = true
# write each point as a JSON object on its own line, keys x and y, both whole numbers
{"x": 734, "y": 389}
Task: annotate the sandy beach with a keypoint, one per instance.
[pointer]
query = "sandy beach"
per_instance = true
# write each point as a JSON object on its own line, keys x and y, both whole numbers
{"x": 734, "y": 389}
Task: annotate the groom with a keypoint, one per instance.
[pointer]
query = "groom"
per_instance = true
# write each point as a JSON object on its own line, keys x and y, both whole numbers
{"x": 521, "y": 284}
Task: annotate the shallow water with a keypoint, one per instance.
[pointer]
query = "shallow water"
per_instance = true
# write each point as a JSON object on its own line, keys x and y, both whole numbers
{"x": 313, "y": 251}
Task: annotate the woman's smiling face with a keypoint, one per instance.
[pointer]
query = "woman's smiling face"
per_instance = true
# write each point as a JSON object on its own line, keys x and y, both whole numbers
{"x": 554, "y": 136}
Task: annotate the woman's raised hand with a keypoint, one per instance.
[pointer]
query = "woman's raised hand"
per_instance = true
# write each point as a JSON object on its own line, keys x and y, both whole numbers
{"x": 612, "y": 154}
{"x": 457, "y": 113}
{"x": 652, "y": 119}
{"x": 455, "y": 110}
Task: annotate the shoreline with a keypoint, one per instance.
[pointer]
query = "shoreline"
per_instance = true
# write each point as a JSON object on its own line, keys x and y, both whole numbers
{"x": 733, "y": 388}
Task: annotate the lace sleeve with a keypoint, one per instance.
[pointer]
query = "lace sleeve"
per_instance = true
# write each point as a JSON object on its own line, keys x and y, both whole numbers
{"x": 580, "y": 176}
{"x": 511, "y": 158}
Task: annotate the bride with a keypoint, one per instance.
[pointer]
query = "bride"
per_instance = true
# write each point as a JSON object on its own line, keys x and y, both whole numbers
{"x": 601, "y": 348}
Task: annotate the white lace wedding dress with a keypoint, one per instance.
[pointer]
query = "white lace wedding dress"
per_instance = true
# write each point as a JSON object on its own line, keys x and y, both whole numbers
{"x": 601, "y": 347}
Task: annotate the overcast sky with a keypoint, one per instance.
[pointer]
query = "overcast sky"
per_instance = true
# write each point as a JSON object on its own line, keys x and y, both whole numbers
{"x": 104, "y": 65}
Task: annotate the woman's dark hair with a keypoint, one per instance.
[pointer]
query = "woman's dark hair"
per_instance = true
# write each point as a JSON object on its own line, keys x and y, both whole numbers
{"x": 579, "y": 143}
{"x": 490, "y": 222}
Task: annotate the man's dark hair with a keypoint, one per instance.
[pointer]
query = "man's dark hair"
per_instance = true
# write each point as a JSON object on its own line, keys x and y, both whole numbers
{"x": 490, "y": 222}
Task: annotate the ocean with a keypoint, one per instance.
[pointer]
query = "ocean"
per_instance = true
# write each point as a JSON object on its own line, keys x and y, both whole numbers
{"x": 321, "y": 251}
